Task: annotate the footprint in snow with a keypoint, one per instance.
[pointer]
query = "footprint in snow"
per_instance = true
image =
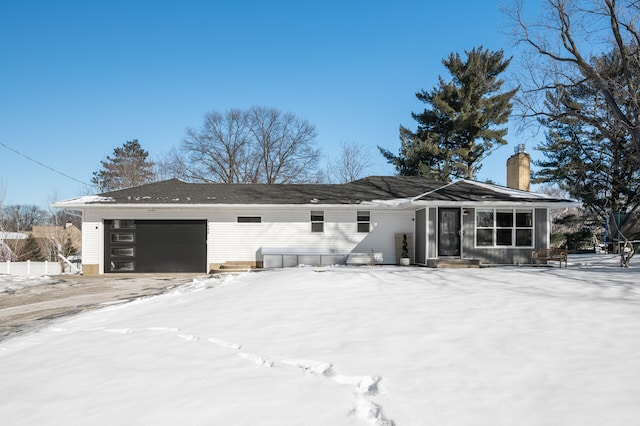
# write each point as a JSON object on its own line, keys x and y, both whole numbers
{"x": 189, "y": 337}
{"x": 224, "y": 343}
{"x": 256, "y": 359}
{"x": 371, "y": 413}
{"x": 119, "y": 330}
{"x": 170, "y": 329}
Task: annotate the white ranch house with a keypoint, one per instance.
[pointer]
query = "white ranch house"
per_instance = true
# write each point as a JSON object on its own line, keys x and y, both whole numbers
{"x": 175, "y": 226}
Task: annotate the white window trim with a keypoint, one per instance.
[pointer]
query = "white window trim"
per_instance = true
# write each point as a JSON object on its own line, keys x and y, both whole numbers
{"x": 358, "y": 222}
{"x": 513, "y": 228}
{"x": 312, "y": 222}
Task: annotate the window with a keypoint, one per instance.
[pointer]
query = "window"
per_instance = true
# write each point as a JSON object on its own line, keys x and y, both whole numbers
{"x": 123, "y": 224}
{"x": 484, "y": 228}
{"x": 249, "y": 219}
{"x": 317, "y": 221}
{"x": 122, "y": 251}
{"x": 120, "y": 266}
{"x": 504, "y": 228}
{"x": 524, "y": 228}
{"x": 364, "y": 221}
{"x": 122, "y": 237}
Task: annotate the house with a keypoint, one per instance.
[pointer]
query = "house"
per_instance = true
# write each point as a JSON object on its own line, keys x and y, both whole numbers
{"x": 175, "y": 226}
{"x": 58, "y": 239}
{"x": 9, "y": 241}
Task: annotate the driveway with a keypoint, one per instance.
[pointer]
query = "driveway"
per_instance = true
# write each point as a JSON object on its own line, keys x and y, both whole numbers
{"x": 32, "y": 307}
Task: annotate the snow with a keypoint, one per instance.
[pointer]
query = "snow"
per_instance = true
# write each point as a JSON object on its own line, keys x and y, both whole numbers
{"x": 86, "y": 199}
{"x": 515, "y": 193}
{"x": 9, "y": 283}
{"x": 344, "y": 346}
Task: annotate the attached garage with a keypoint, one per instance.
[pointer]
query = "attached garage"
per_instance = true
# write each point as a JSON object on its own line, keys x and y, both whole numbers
{"x": 155, "y": 245}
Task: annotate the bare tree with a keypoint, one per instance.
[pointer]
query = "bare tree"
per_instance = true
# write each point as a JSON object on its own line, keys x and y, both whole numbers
{"x": 561, "y": 49}
{"x": 284, "y": 146}
{"x": 22, "y": 217}
{"x": 350, "y": 164}
{"x": 261, "y": 145}
{"x": 172, "y": 165}
{"x": 220, "y": 151}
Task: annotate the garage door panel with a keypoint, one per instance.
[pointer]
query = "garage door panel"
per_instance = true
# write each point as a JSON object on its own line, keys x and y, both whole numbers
{"x": 162, "y": 246}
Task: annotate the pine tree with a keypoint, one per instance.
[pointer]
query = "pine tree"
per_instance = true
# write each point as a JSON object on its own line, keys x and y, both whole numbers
{"x": 591, "y": 158}
{"x": 31, "y": 250}
{"x": 459, "y": 128}
{"x": 128, "y": 167}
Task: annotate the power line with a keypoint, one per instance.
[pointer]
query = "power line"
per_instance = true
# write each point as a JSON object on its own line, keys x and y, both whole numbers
{"x": 44, "y": 165}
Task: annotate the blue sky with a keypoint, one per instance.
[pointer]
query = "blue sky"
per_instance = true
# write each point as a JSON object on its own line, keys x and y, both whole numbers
{"x": 80, "y": 78}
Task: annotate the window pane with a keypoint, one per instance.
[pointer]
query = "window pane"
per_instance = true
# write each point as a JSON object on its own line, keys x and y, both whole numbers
{"x": 121, "y": 237}
{"x": 122, "y": 266}
{"x": 524, "y": 237}
{"x": 123, "y": 224}
{"x": 524, "y": 219}
{"x": 317, "y": 216}
{"x": 363, "y": 216}
{"x": 484, "y": 237}
{"x": 503, "y": 237}
{"x": 122, "y": 251}
{"x": 504, "y": 219}
{"x": 249, "y": 219}
{"x": 317, "y": 227}
{"x": 363, "y": 227}
{"x": 484, "y": 219}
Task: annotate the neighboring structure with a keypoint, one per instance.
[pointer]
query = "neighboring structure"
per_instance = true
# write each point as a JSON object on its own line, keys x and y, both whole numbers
{"x": 8, "y": 243}
{"x": 64, "y": 239}
{"x": 519, "y": 169}
{"x": 174, "y": 226}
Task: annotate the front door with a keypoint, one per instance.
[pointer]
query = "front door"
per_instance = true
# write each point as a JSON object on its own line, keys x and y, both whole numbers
{"x": 449, "y": 232}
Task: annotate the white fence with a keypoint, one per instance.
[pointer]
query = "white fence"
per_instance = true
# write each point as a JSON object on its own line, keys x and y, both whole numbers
{"x": 30, "y": 268}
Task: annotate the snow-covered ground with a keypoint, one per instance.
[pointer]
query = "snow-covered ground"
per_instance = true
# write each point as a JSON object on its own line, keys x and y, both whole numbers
{"x": 10, "y": 283}
{"x": 344, "y": 346}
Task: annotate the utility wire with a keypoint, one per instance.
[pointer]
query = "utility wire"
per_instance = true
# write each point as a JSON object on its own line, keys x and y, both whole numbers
{"x": 44, "y": 165}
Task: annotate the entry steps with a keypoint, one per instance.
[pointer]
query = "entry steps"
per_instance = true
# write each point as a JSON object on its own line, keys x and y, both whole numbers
{"x": 453, "y": 263}
{"x": 233, "y": 267}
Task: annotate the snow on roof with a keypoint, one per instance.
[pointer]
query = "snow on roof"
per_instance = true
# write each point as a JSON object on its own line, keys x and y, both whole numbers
{"x": 84, "y": 200}
{"x": 514, "y": 193}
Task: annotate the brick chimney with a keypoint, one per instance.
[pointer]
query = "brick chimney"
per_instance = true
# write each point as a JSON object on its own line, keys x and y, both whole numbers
{"x": 519, "y": 169}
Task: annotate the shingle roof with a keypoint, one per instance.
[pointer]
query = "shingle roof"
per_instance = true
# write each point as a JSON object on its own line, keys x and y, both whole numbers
{"x": 177, "y": 192}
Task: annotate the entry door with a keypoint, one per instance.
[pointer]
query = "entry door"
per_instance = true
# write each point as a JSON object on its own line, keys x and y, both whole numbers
{"x": 449, "y": 232}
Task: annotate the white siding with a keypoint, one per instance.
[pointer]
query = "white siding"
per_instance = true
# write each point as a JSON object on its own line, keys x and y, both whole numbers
{"x": 228, "y": 240}
{"x": 92, "y": 244}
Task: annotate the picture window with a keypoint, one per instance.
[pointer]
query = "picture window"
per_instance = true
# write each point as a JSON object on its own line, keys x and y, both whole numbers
{"x": 504, "y": 228}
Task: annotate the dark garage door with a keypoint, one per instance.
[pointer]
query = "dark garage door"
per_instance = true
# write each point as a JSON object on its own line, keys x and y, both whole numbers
{"x": 155, "y": 245}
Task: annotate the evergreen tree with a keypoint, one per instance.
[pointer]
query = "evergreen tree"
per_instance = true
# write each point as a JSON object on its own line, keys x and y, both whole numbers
{"x": 128, "y": 167}
{"x": 563, "y": 41}
{"x": 591, "y": 158}
{"x": 31, "y": 250}
{"x": 459, "y": 129}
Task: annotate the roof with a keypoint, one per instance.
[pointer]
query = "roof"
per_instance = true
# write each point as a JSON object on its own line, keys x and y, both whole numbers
{"x": 375, "y": 189}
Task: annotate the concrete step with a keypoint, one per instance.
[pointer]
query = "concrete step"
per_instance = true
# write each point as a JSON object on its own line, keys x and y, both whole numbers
{"x": 453, "y": 263}
{"x": 233, "y": 267}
